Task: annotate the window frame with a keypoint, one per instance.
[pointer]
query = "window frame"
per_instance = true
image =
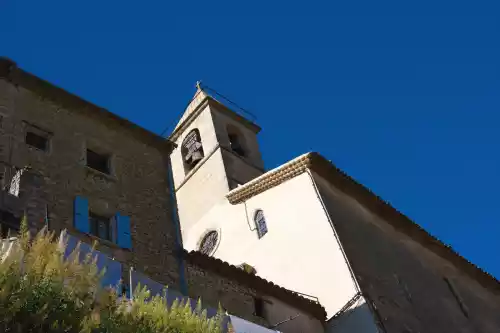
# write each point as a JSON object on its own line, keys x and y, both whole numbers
{"x": 259, "y": 307}
{"x": 99, "y": 153}
{"x": 96, "y": 218}
{"x": 235, "y": 136}
{"x": 204, "y": 236}
{"x": 185, "y": 150}
{"x": 259, "y": 213}
{"x": 40, "y": 132}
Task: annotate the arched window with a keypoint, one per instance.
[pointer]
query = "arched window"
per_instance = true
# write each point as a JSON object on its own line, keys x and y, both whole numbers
{"x": 209, "y": 242}
{"x": 235, "y": 140}
{"x": 260, "y": 223}
{"x": 15, "y": 183}
{"x": 191, "y": 150}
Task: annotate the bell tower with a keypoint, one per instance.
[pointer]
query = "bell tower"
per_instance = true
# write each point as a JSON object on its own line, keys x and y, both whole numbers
{"x": 217, "y": 150}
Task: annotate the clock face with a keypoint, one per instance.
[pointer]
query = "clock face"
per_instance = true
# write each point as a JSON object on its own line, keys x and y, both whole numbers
{"x": 209, "y": 242}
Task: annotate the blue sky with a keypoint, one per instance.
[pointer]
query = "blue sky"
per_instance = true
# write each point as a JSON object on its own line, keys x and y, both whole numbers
{"x": 405, "y": 97}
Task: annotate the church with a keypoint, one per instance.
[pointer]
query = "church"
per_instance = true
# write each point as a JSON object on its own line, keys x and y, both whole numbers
{"x": 299, "y": 248}
{"x": 311, "y": 228}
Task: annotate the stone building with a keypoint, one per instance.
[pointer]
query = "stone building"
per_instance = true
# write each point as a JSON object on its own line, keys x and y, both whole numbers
{"x": 312, "y": 229}
{"x": 70, "y": 165}
{"x": 103, "y": 177}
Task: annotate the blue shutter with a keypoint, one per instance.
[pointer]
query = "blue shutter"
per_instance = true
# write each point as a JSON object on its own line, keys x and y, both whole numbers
{"x": 81, "y": 211}
{"x": 123, "y": 238}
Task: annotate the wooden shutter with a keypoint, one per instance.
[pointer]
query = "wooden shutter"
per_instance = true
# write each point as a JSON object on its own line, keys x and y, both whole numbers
{"x": 123, "y": 231}
{"x": 81, "y": 211}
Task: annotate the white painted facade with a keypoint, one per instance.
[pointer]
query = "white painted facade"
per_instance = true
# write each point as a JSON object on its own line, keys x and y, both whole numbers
{"x": 300, "y": 251}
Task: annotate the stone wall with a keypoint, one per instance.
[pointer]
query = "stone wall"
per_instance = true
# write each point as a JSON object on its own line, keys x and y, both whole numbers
{"x": 413, "y": 288}
{"x": 137, "y": 185}
{"x": 214, "y": 289}
{"x": 281, "y": 309}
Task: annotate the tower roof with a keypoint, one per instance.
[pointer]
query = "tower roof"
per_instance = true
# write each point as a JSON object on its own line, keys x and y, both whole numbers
{"x": 198, "y": 98}
{"x": 202, "y": 97}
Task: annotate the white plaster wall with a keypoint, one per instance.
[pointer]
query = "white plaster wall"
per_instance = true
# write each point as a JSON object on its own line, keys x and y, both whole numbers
{"x": 204, "y": 189}
{"x": 299, "y": 252}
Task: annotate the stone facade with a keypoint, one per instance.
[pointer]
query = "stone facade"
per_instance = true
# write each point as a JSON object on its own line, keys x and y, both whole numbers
{"x": 409, "y": 287}
{"x": 137, "y": 185}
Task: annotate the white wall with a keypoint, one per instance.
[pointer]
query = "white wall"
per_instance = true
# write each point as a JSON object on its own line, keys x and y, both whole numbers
{"x": 299, "y": 252}
{"x": 199, "y": 189}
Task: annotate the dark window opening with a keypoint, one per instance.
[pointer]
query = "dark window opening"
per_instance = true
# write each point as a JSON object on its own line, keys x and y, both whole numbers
{"x": 259, "y": 307}
{"x": 96, "y": 161}
{"x": 9, "y": 224}
{"x": 192, "y": 150}
{"x": 235, "y": 143}
{"x": 100, "y": 226}
{"x": 36, "y": 140}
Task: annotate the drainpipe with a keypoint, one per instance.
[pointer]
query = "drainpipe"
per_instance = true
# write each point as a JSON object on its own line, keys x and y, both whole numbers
{"x": 178, "y": 236}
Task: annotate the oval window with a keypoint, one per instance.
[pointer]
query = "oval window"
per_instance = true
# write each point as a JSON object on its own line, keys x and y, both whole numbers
{"x": 209, "y": 242}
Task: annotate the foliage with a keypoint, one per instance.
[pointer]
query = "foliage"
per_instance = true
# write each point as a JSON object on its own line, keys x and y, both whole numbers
{"x": 41, "y": 291}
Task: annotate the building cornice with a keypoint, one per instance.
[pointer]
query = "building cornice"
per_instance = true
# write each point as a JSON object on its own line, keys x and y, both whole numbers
{"x": 343, "y": 182}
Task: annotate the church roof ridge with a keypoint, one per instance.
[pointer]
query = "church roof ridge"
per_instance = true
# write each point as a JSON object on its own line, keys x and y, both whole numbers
{"x": 380, "y": 207}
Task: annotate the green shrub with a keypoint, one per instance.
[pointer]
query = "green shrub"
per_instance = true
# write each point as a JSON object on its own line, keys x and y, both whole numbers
{"x": 41, "y": 291}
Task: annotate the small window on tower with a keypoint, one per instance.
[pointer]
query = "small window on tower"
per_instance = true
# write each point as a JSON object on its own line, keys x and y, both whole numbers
{"x": 192, "y": 150}
{"x": 235, "y": 141}
{"x": 260, "y": 223}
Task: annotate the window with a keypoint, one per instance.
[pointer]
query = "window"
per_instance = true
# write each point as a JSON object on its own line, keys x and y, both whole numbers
{"x": 209, "y": 242}
{"x": 37, "y": 140}
{"x": 116, "y": 229}
{"x": 235, "y": 141}
{"x": 100, "y": 226}
{"x": 192, "y": 150}
{"x": 9, "y": 224}
{"x": 260, "y": 223}
{"x": 15, "y": 183}
{"x": 259, "y": 307}
{"x": 97, "y": 161}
